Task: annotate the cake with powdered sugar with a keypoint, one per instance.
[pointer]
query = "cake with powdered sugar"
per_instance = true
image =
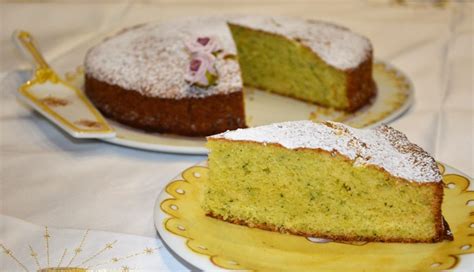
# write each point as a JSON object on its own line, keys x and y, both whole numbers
{"x": 326, "y": 180}
{"x": 186, "y": 77}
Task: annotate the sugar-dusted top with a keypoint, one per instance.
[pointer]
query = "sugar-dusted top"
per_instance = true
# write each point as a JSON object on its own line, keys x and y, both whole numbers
{"x": 152, "y": 59}
{"x": 336, "y": 45}
{"x": 383, "y": 146}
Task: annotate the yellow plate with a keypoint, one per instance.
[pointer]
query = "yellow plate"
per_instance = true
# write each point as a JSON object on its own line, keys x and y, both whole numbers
{"x": 208, "y": 243}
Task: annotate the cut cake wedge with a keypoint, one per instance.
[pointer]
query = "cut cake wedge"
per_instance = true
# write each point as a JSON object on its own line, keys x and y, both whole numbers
{"x": 326, "y": 180}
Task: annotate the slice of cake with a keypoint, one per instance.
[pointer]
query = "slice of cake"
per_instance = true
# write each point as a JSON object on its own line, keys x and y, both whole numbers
{"x": 326, "y": 180}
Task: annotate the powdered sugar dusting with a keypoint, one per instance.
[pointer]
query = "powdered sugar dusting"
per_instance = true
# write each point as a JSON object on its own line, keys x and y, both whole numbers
{"x": 383, "y": 146}
{"x": 152, "y": 59}
{"x": 337, "y": 46}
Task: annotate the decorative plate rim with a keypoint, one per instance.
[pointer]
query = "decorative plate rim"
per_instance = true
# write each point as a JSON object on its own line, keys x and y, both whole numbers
{"x": 410, "y": 99}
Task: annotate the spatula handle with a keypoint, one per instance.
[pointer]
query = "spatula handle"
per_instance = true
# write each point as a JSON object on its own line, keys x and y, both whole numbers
{"x": 25, "y": 42}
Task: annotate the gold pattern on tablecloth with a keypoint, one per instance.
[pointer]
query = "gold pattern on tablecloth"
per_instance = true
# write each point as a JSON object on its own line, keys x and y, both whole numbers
{"x": 35, "y": 257}
{"x": 46, "y": 239}
{"x": 11, "y": 255}
{"x": 78, "y": 250}
{"x": 148, "y": 251}
{"x": 62, "y": 258}
{"x": 108, "y": 246}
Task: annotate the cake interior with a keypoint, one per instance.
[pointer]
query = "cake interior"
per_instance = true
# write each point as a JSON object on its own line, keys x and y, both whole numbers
{"x": 277, "y": 64}
{"x": 315, "y": 193}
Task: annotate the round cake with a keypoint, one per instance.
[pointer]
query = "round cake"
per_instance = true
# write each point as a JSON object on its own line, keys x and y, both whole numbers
{"x": 186, "y": 77}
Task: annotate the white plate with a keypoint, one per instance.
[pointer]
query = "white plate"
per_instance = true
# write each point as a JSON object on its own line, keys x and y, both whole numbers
{"x": 186, "y": 243}
{"x": 394, "y": 97}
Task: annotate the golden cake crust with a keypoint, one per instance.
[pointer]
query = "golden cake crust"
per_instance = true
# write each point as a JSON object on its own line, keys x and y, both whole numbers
{"x": 187, "y": 116}
{"x": 444, "y": 233}
{"x": 361, "y": 88}
{"x": 138, "y": 77}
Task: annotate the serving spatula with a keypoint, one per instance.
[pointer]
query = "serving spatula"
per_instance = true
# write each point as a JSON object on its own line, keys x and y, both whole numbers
{"x": 58, "y": 101}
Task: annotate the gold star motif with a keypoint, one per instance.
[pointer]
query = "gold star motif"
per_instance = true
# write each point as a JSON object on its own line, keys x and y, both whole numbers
{"x": 8, "y": 252}
{"x": 78, "y": 250}
{"x": 115, "y": 260}
{"x": 148, "y": 251}
{"x": 46, "y": 236}
{"x": 109, "y": 246}
{"x": 125, "y": 269}
{"x": 34, "y": 254}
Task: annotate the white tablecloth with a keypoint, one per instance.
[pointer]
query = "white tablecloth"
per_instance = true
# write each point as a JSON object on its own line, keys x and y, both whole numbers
{"x": 51, "y": 179}
{"x": 91, "y": 249}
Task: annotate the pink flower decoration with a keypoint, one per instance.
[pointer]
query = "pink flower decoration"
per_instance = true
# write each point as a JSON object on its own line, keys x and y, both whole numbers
{"x": 201, "y": 64}
{"x": 204, "y": 44}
